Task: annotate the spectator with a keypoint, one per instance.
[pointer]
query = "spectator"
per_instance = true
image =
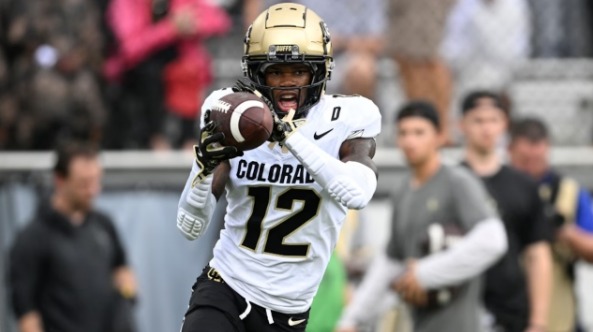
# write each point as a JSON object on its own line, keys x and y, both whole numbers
{"x": 516, "y": 300}
{"x": 433, "y": 198}
{"x": 485, "y": 41}
{"x": 568, "y": 208}
{"x": 162, "y": 67}
{"x": 417, "y": 30}
{"x": 356, "y": 43}
{"x": 68, "y": 269}
{"x": 54, "y": 51}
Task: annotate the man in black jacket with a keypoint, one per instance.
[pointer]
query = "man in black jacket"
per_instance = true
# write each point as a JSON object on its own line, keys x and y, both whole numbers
{"x": 68, "y": 269}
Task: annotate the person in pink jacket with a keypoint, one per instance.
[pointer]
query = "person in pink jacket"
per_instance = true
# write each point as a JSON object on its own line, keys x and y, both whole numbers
{"x": 162, "y": 65}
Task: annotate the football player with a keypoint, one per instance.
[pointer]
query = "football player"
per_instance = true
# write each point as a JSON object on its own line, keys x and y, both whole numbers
{"x": 286, "y": 199}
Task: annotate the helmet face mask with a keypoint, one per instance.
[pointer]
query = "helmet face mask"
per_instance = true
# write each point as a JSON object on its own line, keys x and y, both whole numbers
{"x": 289, "y": 34}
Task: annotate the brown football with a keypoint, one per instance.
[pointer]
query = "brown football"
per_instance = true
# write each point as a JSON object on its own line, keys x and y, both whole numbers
{"x": 244, "y": 118}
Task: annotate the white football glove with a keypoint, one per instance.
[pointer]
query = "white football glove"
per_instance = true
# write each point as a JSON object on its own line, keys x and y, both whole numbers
{"x": 195, "y": 205}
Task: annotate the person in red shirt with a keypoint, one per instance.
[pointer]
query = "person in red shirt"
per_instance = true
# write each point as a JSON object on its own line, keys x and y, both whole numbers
{"x": 161, "y": 59}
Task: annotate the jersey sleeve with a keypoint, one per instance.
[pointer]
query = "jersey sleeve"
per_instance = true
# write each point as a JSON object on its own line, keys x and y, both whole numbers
{"x": 27, "y": 258}
{"x": 537, "y": 227}
{"x": 364, "y": 118}
{"x": 584, "y": 217}
{"x": 470, "y": 198}
{"x": 119, "y": 254}
{"x": 393, "y": 249}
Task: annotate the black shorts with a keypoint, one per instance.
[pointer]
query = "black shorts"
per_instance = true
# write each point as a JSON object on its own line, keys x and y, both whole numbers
{"x": 215, "y": 307}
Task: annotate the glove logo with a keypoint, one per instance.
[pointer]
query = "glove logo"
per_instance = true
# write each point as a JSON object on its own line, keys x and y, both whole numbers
{"x": 319, "y": 136}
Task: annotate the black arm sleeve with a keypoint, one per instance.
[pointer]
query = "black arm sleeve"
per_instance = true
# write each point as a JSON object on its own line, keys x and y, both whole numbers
{"x": 26, "y": 266}
{"x": 119, "y": 258}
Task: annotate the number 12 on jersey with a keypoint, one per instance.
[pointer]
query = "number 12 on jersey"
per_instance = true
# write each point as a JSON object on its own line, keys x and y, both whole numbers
{"x": 277, "y": 234}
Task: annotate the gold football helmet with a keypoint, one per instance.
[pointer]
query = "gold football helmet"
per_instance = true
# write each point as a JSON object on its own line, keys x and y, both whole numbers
{"x": 288, "y": 33}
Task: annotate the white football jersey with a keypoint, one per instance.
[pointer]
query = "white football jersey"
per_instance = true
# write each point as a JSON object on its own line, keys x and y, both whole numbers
{"x": 281, "y": 226}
